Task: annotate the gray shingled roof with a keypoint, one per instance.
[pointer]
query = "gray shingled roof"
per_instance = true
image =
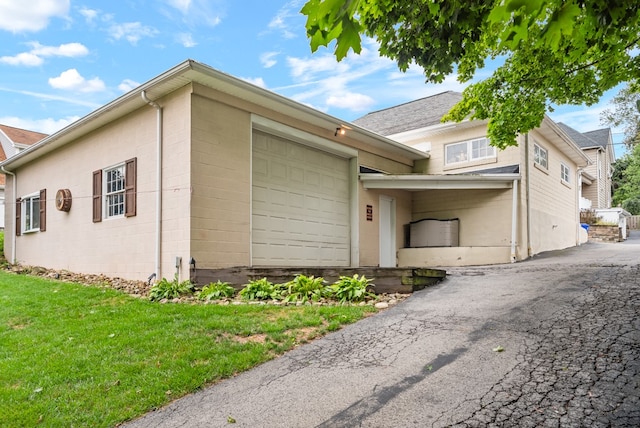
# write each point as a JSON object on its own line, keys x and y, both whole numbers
{"x": 598, "y": 138}
{"x": 409, "y": 116}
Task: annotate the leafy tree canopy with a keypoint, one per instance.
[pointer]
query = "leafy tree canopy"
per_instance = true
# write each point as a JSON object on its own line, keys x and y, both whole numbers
{"x": 627, "y": 193}
{"x": 555, "y": 51}
{"x": 626, "y": 113}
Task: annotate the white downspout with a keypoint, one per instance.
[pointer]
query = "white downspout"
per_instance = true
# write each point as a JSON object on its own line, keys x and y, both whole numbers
{"x": 528, "y": 192}
{"x": 14, "y": 188}
{"x": 154, "y": 104}
{"x": 514, "y": 221}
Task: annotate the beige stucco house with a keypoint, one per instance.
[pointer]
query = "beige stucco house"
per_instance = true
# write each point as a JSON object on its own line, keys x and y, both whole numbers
{"x": 198, "y": 166}
{"x": 509, "y": 204}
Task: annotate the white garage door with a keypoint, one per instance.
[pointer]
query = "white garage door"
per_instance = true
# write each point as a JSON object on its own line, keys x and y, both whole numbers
{"x": 300, "y": 205}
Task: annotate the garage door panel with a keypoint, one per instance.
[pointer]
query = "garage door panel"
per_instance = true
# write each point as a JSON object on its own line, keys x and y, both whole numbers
{"x": 300, "y": 205}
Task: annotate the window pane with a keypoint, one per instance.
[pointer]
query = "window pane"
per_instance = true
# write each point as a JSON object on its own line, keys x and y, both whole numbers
{"x": 456, "y": 153}
{"x": 31, "y": 213}
{"x": 114, "y": 194}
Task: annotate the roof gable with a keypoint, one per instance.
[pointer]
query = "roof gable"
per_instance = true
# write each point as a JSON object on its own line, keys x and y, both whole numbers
{"x": 587, "y": 140}
{"x": 600, "y": 136}
{"x": 22, "y": 136}
{"x": 417, "y": 114}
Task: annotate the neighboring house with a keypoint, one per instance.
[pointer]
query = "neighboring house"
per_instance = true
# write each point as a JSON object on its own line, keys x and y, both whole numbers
{"x": 199, "y": 168}
{"x": 596, "y": 180}
{"x": 12, "y": 140}
{"x": 509, "y": 204}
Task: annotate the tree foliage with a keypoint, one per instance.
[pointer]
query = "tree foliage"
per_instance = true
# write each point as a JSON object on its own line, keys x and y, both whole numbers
{"x": 626, "y": 113}
{"x": 555, "y": 51}
{"x": 627, "y": 192}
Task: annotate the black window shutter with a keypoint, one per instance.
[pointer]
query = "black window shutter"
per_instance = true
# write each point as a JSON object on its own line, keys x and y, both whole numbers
{"x": 130, "y": 187}
{"x": 18, "y": 217}
{"x": 43, "y": 210}
{"x": 97, "y": 196}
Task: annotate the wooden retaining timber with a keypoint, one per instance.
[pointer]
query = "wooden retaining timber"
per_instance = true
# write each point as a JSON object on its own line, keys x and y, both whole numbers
{"x": 386, "y": 280}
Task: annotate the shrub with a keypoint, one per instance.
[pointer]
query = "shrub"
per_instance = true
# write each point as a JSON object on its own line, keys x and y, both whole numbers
{"x": 165, "y": 289}
{"x": 352, "y": 289}
{"x": 217, "y": 290}
{"x": 632, "y": 206}
{"x": 589, "y": 216}
{"x": 260, "y": 289}
{"x": 304, "y": 288}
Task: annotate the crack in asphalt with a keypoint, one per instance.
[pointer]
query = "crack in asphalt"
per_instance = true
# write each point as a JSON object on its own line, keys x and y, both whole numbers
{"x": 353, "y": 415}
{"x": 582, "y": 369}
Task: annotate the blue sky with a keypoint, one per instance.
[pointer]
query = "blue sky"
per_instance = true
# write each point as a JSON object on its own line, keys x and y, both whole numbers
{"x": 61, "y": 59}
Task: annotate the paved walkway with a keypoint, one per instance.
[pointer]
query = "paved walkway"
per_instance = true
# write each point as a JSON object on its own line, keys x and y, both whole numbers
{"x": 568, "y": 323}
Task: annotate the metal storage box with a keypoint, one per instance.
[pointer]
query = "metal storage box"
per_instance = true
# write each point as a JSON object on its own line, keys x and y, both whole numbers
{"x": 433, "y": 233}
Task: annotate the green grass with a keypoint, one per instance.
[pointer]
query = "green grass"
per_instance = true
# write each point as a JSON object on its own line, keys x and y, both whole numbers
{"x": 72, "y": 355}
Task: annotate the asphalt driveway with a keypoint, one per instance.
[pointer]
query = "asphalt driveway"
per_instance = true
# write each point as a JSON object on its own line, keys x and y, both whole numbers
{"x": 552, "y": 341}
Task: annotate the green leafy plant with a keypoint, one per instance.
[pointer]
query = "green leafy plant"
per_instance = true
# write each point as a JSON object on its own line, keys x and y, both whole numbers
{"x": 217, "y": 290}
{"x": 305, "y": 288}
{"x": 352, "y": 288}
{"x": 259, "y": 289}
{"x": 165, "y": 289}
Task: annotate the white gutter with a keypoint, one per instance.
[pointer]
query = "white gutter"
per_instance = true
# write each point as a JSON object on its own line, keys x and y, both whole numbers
{"x": 158, "y": 262}
{"x": 15, "y": 224}
{"x": 425, "y": 181}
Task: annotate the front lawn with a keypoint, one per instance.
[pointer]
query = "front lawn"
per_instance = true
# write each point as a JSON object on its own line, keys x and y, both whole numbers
{"x": 73, "y": 355}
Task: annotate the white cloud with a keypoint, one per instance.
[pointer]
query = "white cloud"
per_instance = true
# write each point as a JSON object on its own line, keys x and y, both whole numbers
{"x": 199, "y": 11}
{"x": 25, "y": 58}
{"x": 268, "y": 59}
{"x": 282, "y": 20}
{"x": 181, "y": 5}
{"x": 46, "y": 126}
{"x": 72, "y": 80}
{"x": 186, "y": 40}
{"x": 131, "y": 31}
{"x": 258, "y": 81}
{"x": 127, "y": 84}
{"x": 89, "y": 14}
{"x": 35, "y": 56}
{"x": 18, "y": 16}
{"x": 351, "y": 101}
{"x": 308, "y": 68}
{"x": 69, "y": 50}
{"x": 52, "y": 97}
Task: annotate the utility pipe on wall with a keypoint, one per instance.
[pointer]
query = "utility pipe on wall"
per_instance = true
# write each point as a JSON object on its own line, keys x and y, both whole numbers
{"x": 14, "y": 188}
{"x": 158, "y": 184}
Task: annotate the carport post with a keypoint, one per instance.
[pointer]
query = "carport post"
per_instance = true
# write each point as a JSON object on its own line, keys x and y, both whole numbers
{"x": 514, "y": 221}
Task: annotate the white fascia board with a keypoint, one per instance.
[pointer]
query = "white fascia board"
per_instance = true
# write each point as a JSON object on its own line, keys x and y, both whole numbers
{"x": 570, "y": 148}
{"x": 440, "y": 128}
{"x": 276, "y": 128}
{"x": 426, "y": 182}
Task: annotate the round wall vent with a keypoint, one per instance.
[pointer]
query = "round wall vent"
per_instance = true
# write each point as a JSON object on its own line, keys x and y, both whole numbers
{"x": 63, "y": 200}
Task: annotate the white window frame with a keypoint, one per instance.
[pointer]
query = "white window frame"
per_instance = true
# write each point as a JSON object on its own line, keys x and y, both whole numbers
{"x": 30, "y": 213}
{"x": 113, "y": 191}
{"x": 540, "y": 156}
{"x": 565, "y": 173}
{"x": 464, "y": 151}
